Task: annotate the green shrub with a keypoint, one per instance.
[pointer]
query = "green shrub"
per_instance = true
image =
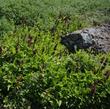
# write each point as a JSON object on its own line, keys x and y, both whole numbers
{"x": 5, "y": 26}
{"x": 31, "y": 12}
{"x": 37, "y": 71}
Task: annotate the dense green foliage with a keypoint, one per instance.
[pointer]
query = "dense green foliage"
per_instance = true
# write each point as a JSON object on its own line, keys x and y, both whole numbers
{"x": 36, "y": 71}
{"x": 45, "y": 12}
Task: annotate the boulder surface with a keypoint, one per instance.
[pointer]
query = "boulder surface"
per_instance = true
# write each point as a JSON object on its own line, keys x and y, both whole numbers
{"x": 96, "y": 38}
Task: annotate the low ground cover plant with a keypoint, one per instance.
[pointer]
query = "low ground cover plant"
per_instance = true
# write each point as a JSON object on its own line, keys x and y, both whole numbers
{"x": 36, "y": 70}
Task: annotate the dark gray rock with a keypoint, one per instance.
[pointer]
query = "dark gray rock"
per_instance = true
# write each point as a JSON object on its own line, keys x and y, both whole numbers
{"x": 97, "y": 39}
